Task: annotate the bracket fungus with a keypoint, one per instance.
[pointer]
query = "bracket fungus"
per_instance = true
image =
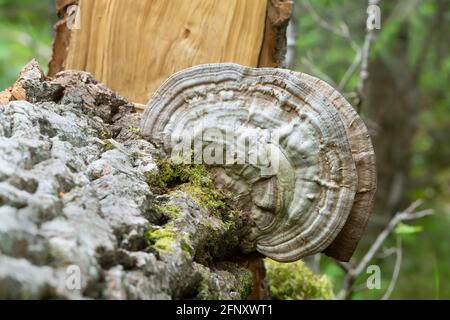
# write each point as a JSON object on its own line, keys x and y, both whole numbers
{"x": 289, "y": 148}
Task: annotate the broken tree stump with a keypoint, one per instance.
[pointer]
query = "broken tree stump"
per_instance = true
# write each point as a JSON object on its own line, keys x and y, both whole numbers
{"x": 133, "y": 46}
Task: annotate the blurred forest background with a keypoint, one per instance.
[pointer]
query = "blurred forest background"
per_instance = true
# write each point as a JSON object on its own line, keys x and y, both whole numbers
{"x": 405, "y": 103}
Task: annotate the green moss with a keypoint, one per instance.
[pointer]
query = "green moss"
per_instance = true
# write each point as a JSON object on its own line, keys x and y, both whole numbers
{"x": 222, "y": 236}
{"x": 186, "y": 246}
{"x": 159, "y": 182}
{"x": 103, "y": 135}
{"x": 225, "y": 280}
{"x": 196, "y": 181}
{"x": 162, "y": 240}
{"x": 294, "y": 281}
{"x": 108, "y": 146}
{"x": 172, "y": 212}
{"x": 246, "y": 281}
{"x": 204, "y": 291}
{"x": 210, "y": 199}
{"x": 134, "y": 130}
{"x": 190, "y": 178}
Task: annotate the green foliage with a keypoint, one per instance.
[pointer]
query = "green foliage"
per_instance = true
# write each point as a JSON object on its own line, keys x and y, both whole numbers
{"x": 404, "y": 229}
{"x": 335, "y": 273}
{"x": 322, "y": 53}
{"x": 426, "y": 259}
{"x": 25, "y": 33}
{"x": 294, "y": 281}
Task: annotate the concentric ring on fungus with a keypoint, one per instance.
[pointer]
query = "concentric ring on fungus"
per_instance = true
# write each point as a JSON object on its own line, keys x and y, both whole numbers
{"x": 305, "y": 170}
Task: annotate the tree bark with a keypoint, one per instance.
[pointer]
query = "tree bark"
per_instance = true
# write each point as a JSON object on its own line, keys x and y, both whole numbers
{"x": 133, "y": 46}
{"x": 80, "y": 218}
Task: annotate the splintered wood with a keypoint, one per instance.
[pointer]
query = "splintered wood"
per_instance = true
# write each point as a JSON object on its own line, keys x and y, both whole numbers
{"x": 133, "y": 46}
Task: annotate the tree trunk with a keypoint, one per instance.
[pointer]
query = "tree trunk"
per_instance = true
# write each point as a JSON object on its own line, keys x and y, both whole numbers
{"x": 133, "y": 46}
{"x": 79, "y": 215}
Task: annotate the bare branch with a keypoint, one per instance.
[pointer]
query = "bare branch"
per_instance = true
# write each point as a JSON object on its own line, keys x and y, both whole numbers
{"x": 353, "y": 272}
{"x": 350, "y": 71}
{"x": 386, "y": 253}
{"x": 408, "y": 214}
{"x": 291, "y": 38}
{"x": 308, "y": 62}
{"x": 344, "y": 265}
{"x": 342, "y": 31}
{"x": 364, "y": 71}
{"x": 396, "y": 273}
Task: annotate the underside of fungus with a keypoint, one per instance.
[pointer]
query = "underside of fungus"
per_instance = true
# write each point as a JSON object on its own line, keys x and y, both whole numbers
{"x": 289, "y": 148}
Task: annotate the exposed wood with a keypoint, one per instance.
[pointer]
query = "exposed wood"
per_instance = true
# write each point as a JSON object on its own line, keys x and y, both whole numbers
{"x": 5, "y": 96}
{"x": 61, "y": 5}
{"x": 274, "y": 46}
{"x": 133, "y": 46}
{"x": 260, "y": 289}
{"x": 62, "y": 37}
{"x": 140, "y": 107}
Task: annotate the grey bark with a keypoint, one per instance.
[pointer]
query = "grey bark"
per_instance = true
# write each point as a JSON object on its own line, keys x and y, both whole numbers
{"x": 73, "y": 192}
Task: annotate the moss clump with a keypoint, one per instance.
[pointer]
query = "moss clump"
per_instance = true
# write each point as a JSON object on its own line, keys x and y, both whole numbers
{"x": 294, "y": 281}
{"x": 162, "y": 240}
{"x": 108, "y": 146}
{"x": 190, "y": 178}
{"x": 159, "y": 182}
{"x": 206, "y": 197}
{"x": 165, "y": 239}
{"x": 186, "y": 246}
{"x": 224, "y": 281}
{"x": 134, "y": 130}
{"x": 204, "y": 291}
{"x": 223, "y": 237}
{"x": 171, "y": 212}
{"x": 103, "y": 135}
{"x": 196, "y": 181}
{"x": 246, "y": 280}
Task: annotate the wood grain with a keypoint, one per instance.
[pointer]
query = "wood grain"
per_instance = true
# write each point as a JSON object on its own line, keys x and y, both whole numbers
{"x": 133, "y": 46}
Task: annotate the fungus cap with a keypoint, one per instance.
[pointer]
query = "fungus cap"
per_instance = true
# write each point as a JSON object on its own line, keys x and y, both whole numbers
{"x": 289, "y": 148}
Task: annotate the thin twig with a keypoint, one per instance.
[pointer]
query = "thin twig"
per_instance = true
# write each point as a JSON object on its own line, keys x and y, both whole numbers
{"x": 291, "y": 39}
{"x": 386, "y": 253}
{"x": 307, "y": 61}
{"x": 350, "y": 71}
{"x": 408, "y": 214}
{"x": 343, "y": 31}
{"x": 396, "y": 273}
{"x": 345, "y": 266}
{"x": 352, "y": 272}
{"x": 364, "y": 71}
